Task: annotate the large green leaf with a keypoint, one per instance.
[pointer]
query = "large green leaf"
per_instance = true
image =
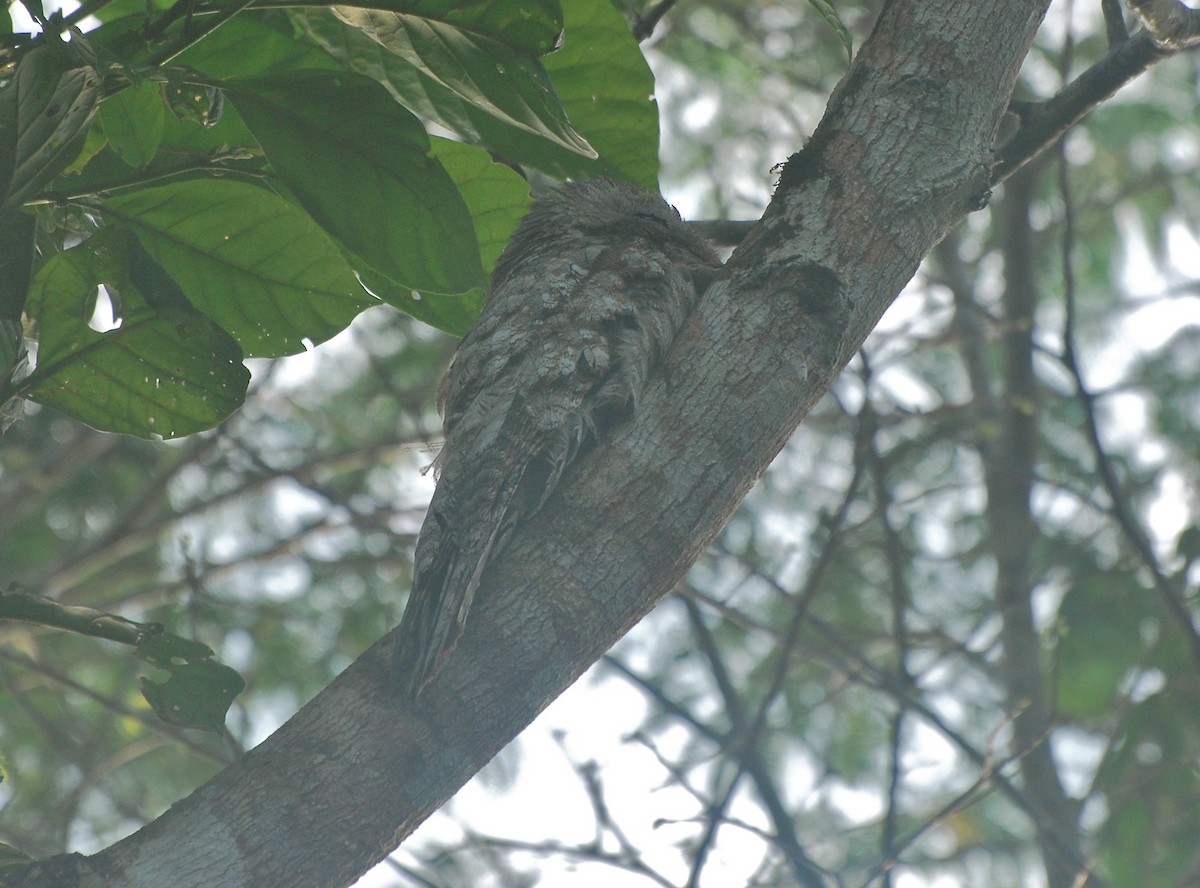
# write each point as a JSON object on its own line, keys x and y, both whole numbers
{"x": 491, "y": 76}
{"x": 255, "y": 263}
{"x": 166, "y": 370}
{"x": 527, "y": 26}
{"x": 607, "y": 90}
{"x": 133, "y": 122}
{"x": 497, "y": 198}
{"x": 599, "y": 75}
{"x": 46, "y": 109}
{"x": 359, "y": 163}
{"x": 245, "y": 47}
{"x": 45, "y": 112}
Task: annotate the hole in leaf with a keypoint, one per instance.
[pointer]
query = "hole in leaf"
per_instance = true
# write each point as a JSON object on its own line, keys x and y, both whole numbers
{"x": 104, "y": 317}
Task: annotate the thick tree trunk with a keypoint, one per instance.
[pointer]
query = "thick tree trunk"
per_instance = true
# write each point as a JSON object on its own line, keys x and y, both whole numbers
{"x": 903, "y": 154}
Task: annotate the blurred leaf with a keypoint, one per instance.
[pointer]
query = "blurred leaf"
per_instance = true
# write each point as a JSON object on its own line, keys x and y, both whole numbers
{"x": 253, "y": 262}
{"x": 1153, "y": 792}
{"x": 1188, "y": 544}
{"x": 35, "y": 10}
{"x": 1100, "y": 618}
{"x": 11, "y": 858}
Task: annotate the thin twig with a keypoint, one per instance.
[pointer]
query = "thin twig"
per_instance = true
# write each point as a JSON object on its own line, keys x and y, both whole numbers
{"x": 1119, "y": 504}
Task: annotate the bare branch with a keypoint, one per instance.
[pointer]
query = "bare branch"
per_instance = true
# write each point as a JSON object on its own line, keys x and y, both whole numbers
{"x": 1114, "y": 22}
{"x": 1042, "y": 125}
{"x": 1170, "y": 24}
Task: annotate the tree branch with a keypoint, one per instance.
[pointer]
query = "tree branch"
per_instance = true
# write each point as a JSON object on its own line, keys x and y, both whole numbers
{"x": 1043, "y": 124}
{"x": 1171, "y": 25}
{"x": 901, "y": 157}
{"x": 28, "y": 608}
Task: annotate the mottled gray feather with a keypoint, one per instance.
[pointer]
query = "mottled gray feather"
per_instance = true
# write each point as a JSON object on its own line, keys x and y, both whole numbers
{"x": 587, "y": 298}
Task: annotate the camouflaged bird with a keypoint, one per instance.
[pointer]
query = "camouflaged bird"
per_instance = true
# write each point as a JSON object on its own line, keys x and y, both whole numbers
{"x": 585, "y": 301}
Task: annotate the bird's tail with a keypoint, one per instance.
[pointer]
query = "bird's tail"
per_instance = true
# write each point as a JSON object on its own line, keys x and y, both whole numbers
{"x": 469, "y": 521}
{"x": 446, "y": 575}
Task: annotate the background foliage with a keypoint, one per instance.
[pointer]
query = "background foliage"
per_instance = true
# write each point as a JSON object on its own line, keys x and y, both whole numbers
{"x": 950, "y": 635}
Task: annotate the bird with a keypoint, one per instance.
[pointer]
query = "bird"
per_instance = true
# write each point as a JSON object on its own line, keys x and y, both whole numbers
{"x": 583, "y": 304}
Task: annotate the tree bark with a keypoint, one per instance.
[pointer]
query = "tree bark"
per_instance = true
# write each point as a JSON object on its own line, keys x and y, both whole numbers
{"x": 1009, "y": 462}
{"x": 902, "y": 155}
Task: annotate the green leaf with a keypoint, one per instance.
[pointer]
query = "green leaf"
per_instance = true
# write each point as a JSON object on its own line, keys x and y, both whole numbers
{"x": 245, "y": 47}
{"x": 119, "y": 9}
{"x": 424, "y": 96}
{"x": 453, "y": 314}
{"x": 599, "y": 74}
{"x": 17, "y": 232}
{"x": 496, "y": 196}
{"x": 253, "y": 262}
{"x": 497, "y": 199}
{"x": 45, "y": 112}
{"x": 185, "y": 149}
{"x": 192, "y": 103}
{"x": 198, "y": 692}
{"x": 532, "y": 27}
{"x": 133, "y": 122}
{"x": 93, "y": 144}
{"x": 477, "y": 68}
{"x": 359, "y": 163}
{"x": 607, "y": 90}
{"x": 166, "y": 370}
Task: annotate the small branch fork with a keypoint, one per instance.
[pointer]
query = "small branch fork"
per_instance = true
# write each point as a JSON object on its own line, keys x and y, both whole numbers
{"x": 1173, "y": 26}
{"x": 1168, "y": 27}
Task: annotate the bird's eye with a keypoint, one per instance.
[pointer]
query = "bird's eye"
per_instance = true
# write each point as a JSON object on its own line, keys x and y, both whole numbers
{"x": 653, "y": 218}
